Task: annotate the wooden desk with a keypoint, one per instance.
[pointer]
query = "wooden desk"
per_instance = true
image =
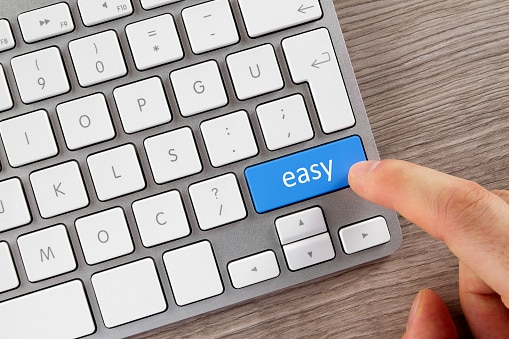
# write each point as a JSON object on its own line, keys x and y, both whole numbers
{"x": 435, "y": 80}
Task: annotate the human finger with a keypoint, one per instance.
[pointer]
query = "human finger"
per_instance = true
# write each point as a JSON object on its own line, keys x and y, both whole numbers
{"x": 485, "y": 312}
{"x": 504, "y": 194}
{"x": 429, "y": 318}
{"x": 472, "y": 221}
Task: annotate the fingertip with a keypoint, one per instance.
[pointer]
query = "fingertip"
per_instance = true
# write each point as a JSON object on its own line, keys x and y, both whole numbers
{"x": 429, "y": 318}
{"x": 362, "y": 168}
{"x": 357, "y": 177}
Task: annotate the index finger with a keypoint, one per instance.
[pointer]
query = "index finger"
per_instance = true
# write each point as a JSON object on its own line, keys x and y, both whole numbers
{"x": 473, "y": 222}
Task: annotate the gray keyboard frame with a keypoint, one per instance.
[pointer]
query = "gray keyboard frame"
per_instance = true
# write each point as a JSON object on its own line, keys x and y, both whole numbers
{"x": 252, "y": 235}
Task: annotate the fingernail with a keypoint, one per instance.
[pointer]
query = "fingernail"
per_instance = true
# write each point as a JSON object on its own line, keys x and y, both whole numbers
{"x": 362, "y": 168}
{"x": 413, "y": 310}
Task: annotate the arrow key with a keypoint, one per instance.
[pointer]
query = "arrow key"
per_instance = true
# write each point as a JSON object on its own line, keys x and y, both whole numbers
{"x": 253, "y": 269}
{"x": 364, "y": 235}
{"x": 300, "y": 225}
{"x": 309, "y": 252}
{"x": 46, "y": 22}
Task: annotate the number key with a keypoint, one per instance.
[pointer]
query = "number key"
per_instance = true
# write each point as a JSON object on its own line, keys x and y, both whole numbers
{"x": 97, "y": 58}
{"x": 40, "y": 75}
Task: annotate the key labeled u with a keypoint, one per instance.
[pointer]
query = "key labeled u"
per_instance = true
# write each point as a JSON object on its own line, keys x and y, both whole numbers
{"x": 257, "y": 74}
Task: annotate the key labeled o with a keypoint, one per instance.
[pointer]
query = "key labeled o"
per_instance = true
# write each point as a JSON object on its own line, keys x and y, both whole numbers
{"x": 103, "y": 236}
{"x": 85, "y": 121}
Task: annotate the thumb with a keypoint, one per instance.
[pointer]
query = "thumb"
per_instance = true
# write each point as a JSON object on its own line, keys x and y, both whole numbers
{"x": 429, "y": 318}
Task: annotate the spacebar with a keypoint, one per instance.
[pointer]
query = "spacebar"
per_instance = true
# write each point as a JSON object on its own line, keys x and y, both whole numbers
{"x": 57, "y": 312}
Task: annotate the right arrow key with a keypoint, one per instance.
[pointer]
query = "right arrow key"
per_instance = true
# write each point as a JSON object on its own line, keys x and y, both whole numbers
{"x": 364, "y": 235}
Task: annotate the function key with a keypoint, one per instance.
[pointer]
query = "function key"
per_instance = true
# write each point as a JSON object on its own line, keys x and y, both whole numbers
{"x": 149, "y": 4}
{"x": 94, "y": 12}
{"x": 6, "y": 38}
{"x": 46, "y": 22}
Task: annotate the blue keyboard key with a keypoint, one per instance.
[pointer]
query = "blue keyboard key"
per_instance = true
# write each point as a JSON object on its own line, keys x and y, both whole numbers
{"x": 303, "y": 175}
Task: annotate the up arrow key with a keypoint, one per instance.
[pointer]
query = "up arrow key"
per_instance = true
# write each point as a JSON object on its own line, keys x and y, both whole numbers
{"x": 364, "y": 235}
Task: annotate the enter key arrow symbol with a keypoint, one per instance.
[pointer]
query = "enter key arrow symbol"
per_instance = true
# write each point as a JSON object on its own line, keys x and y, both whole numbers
{"x": 316, "y": 63}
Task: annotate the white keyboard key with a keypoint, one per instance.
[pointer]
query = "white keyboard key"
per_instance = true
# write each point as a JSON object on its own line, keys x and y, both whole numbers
{"x": 300, "y": 225}
{"x": 161, "y": 218}
{"x": 173, "y": 155}
{"x": 210, "y": 26}
{"x": 128, "y": 292}
{"x": 154, "y": 42}
{"x": 285, "y": 122}
{"x": 317, "y": 65}
{"x": 13, "y": 205}
{"x": 217, "y": 201}
{"x": 255, "y": 72}
{"x": 40, "y": 75}
{"x": 46, "y": 253}
{"x": 308, "y": 252}
{"x": 40, "y": 314}
{"x": 46, "y": 22}
{"x": 6, "y": 39}
{"x": 149, "y": 4}
{"x": 94, "y": 12}
{"x": 9, "y": 279}
{"x": 364, "y": 235}
{"x": 193, "y": 273}
{"x": 104, "y": 236}
{"x": 229, "y": 138}
{"x": 5, "y": 94}
{"x": 142, "y": 105}
{"x": 97, "y": 58}
{"x": 28, "y": 138}
{"x": 85, "y": 121}
{"x": 116, "y": 172}
{"x": 277, "y": 15}
{"x": 199, "y": 88}
{"x": 59, "y": 189}
{"x": 253, "y": 269}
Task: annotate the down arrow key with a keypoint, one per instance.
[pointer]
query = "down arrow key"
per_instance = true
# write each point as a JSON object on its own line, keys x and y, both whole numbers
{"x": 309, "y": 252}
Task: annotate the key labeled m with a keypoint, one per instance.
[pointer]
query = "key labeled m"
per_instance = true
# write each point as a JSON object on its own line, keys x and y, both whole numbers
{"x": 47, "y": 255}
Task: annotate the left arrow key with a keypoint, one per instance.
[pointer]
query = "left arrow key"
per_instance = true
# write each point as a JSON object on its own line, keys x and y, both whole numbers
{"x": 46, "y": 22}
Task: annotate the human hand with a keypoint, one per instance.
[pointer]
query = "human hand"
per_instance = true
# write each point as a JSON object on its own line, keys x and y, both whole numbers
{"x": 473, "y": 223}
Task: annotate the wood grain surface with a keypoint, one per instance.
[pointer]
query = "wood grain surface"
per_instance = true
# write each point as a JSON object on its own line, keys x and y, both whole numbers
{"x": 434, "y": 76}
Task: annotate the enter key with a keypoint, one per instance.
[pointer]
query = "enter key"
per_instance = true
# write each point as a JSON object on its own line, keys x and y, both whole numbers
{"x": 303, "y": 175}
{"x": 311, "y": 58}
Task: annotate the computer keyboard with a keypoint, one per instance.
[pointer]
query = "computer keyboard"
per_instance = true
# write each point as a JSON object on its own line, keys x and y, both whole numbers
{"x": 161, "y": 159}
